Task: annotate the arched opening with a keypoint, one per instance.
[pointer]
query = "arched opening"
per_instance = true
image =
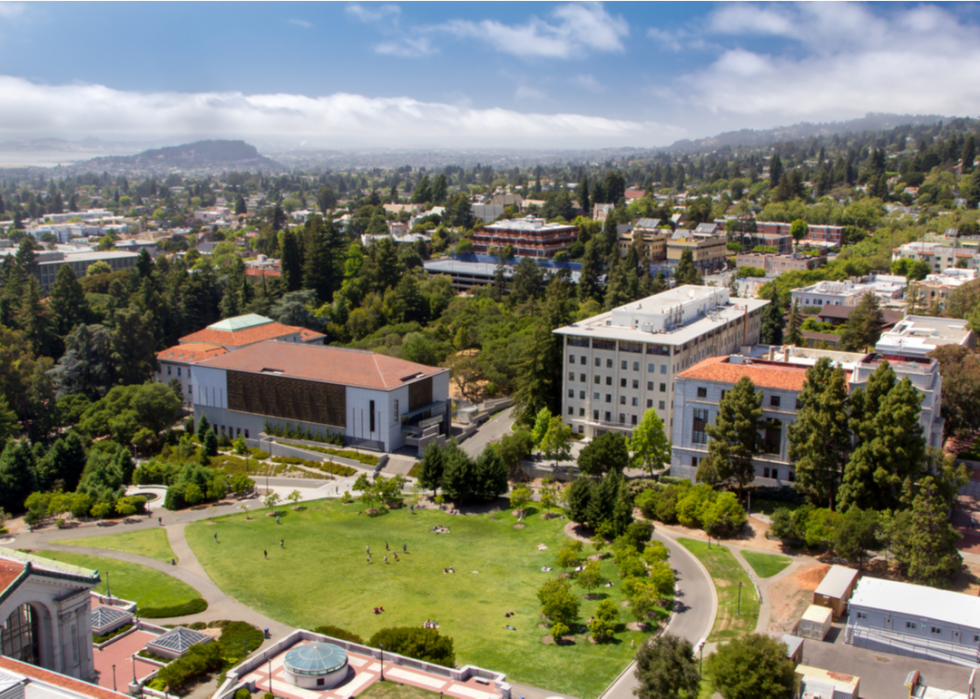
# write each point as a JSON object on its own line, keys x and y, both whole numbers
{"x": 21, "y": 638}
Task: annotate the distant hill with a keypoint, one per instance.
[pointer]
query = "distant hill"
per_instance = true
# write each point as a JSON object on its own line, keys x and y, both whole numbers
{"x": 749, "y": 138}
{"x": 201, "y": 155}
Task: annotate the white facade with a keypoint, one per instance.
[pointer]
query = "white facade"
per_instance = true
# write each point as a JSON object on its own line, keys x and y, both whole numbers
{"x": 917, "y": 336}
{"x": 937, "y": 255}
{"x": 620, "y": 364}
{"x": 847, "y": 293}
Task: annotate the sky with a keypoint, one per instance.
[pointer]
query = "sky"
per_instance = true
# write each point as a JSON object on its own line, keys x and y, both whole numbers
{"x": 457, "y": 75}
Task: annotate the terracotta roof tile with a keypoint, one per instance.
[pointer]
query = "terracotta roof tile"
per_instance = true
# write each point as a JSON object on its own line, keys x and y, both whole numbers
{"x": 764, "y": 374}
{"x": 191, "y": 353}
{"x": 241, "y": 338}
{"x": 59, "y": 680}
{"x": 9, "y": 572}
{"x": 323, "y": 363}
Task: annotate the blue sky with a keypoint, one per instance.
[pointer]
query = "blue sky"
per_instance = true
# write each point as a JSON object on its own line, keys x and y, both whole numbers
{"x": 474, "y": 74}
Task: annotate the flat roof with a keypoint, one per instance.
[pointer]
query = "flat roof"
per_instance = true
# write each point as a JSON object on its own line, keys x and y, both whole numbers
{"x": 93, "y": 256}
{"x": 917, "y": 601}
{"x": 816, "y": 613}
{"x": 323, "y": 363}
{"x": 836, "y": 582}
{"x": 764, "y": 374}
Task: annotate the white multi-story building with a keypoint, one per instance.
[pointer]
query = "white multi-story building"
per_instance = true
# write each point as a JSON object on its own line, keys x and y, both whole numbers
{"x": 887, "y": 287}
{"x": 779, "y": 373}
{"x": 619, "y": 364}
{"x": 917, "y": 336}
{"x": 938, "y": 256}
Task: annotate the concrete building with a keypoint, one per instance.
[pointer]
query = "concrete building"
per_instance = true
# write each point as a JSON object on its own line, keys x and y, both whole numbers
{"x": 529, "y": 237}
{"x": 710, "y": 251}
{"x": 775, "y": 265}
{"x": 242, "y": 331}
{"x": 46, "y": 611}
{"x": 621, "y": 363}
{"x": 817, "y": 233}
{"x": 466, "y": 274}
{"x": 369, "y": 399}
{"x": 887, "y": 287}
{"x": 753, "y": 239}
{"x": 938, "y": 256}
{"x": 916, "y": 336}
{"x": 835, "y": 589}
{"x": 20, "y": 680}
{"x": 49, "y": 262}
{"x": 914, "y": 620}
{"x": 779, "y": 373}
{"x": 935, "y": 289}
{"x": 654, "y": 239}
{"x": 176, "y": 363}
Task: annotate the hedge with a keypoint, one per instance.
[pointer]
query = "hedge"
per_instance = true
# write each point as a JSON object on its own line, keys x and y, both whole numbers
{"x": 195, "y": 606}
{"x": 339, "y": 633}
{"x": 325, "y": 466}
{"x": 112, "y": 634}
{"x": 366, "y": 459}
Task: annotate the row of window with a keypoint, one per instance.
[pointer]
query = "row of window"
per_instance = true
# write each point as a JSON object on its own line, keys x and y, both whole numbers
{"x": 774, "y": 401}
{"x": 624, "y": 365}
{"x": 635, "y": 401}
{"x": 623, "y": 383}
{"x": 169, "y": 367}
{"x": 232, "y": 431}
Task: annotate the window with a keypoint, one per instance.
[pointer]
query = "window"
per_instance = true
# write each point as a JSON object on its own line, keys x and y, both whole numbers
{"x": 622, "y": 400}
{"x": 791, "y": 477}
{"x": 649, "y": 385}
{"x": 773, "y": 401}
{"x": 571, "y": 393}
{"x": 636, "y": 383}
{"x": 936, "y": 630}
{"x": 609, "y": 398}
{"x": 571, "y": 410}
{"x": 595, "y": 396}
{"x": 571, "y": 376}
{"x": 649, "y": 402}
{"x": 694, "y": 461}
{"x": 597, "y": 379}
{"x": 662, "y": 406}
{"x": 168, "y": 369}
{"x": 636, "y": 366}
{"x": 775, "y": 474}
{"x": 698, "y": 435}
{"x": 582, "y": 361}
{"x": 723, "y": 395}
{"x": 663, "y": 388}
{"x": 651, "y": 368}
{"x": 799, "y": 403}
{"x": 622, "y": 365}
{"x": 765, "y": 472}
{"x": 608, "y": 416}
{"x": 622, "y": 418}
{"x": 633, "y": 419}
{"x": 911, "y": 625}
{"x": 246, "y": 434}
{"x": 395, "y": 416}
{"x": 663, "y": 368}
{"x": 773, "y": 437}
{"x": 595, "y": 415}
{"x": 636, "y": 402}
{"x": 702, "y": 392}
{"x": 609, "y": 364}
{"x": 862, "y": 615}
{"x": 581, "y": 412}
{"x": 609, "y": 381}
{"x": 598, "y": 362}
{"x": 571, "y": 359}
{"x": 622, "y": 383}
{"x": 581, "y": 395}
{"x": 178, "y": 371}
{"x": 371, "y": 410}
{"x": 581, "y": 429}
{"x": 581, "y": 377}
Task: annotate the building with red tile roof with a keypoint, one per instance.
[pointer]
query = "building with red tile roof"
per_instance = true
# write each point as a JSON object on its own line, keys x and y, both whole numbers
{"x": 369, "y": 399}
{"x": 32, "y": 681}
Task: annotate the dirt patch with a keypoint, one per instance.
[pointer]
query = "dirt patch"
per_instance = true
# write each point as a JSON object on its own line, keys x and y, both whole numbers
{"x": 596, "y": 557}
{"x": 549, "y": 515}
{"x": 790, "y": 596}
{"x": 519, "y": 526}
{"x": 578, "y": 531}
{"x": 547, "y": 640}
{"x": 624, "y": 603}
{"x": 640, "y": 626}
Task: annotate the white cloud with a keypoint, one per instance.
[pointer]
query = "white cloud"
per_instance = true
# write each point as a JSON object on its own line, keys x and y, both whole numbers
{"x": 373, "y": 13}
{"x": 524, "y": 93}
{"x": 574, "y": 31}
{"x": 407, "y": 47}
{"x": 588, "y": 82}
{"x": 9, "y": 10}
{"x": 667, "y": 40}
{"x": 339, "y": 120}
{"x": 842, "y": 61}
{"x": 300, "y": 23}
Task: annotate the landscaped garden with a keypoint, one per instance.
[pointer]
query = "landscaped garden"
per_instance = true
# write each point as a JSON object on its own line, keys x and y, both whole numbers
{"x": 152, "y": 543}
{"x": 726, "y": 573}
{"x": 157, "y": 594}
{"x": 322, "y": 576}
{"x": 766, "y": 565}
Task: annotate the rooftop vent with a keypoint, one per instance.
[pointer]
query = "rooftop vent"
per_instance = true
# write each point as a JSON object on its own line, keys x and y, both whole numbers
{"x": 274, "y": 372}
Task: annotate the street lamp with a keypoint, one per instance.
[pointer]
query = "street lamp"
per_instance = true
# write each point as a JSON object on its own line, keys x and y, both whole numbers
{"x": 113, "y": 678}
{"x": 382, "y": 662}
{"x": 739, "y": 612}
{"x": 133, "y": 658}
{"x": 108, "y": 593}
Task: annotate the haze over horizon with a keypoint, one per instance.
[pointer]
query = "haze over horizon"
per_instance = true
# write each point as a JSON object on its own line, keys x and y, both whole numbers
{"x": 473, "y": 75}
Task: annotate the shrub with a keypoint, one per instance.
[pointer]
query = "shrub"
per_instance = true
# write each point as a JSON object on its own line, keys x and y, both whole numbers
{"x": 413, "y": 642}
{"x": 557, "y": 601}
{"x": 636, "y": 486}
{"x": 337, "y": 632}
{"x": 781, "y": 524}
{"x": 243, "y": 694}
{"x": 235, "y": 634}
{"x": 674, "y": 480}
{"x": 199, "y": 660}
{"x": 366, "y": 459}
{"x": 195, "y": 606}
{"x": 112, "y": 634}
{"x": 157, "y": 684}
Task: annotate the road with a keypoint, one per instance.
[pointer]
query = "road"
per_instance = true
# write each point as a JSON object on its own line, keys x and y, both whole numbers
{"x": 695, "y": 605}
{"x": 491, "y": 431}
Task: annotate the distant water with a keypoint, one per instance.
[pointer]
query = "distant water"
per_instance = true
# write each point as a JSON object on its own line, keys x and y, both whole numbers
{"x": 46, "y": 158}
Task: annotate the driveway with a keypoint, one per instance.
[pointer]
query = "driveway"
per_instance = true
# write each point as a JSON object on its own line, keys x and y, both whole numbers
{"x": 489, "y": 432}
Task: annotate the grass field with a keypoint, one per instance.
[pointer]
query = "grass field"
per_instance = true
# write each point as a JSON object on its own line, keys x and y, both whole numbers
{"x": 322, "y": 577}
{"x": 150, "y": 589}
{"x": 726, "y": 573}
{"x": 393, "y": 690}
{"x": 152, "y": 543}
{"x": 766, "y": 565}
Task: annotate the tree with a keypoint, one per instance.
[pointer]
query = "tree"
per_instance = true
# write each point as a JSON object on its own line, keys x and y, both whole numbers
{"x": 271, "y": 499}
{"x": 855, "y": 533}
{"x": 290, "y": 263}
{"x": 520, "y": 497}
{"x": 649, "y": 443}
{"x": 557, "y": 441}
{"x": 67, "y": 301}
{"x": 603, "y": 624}
{"x": 538, "y": 378}
{"x": 793, "y": 334}
{"x": 820, "y": 437}
{"x": 734, "y": 435}
{"x": 427, "y": 645}
{"x": 36, "y": 322}
{"x": 771, "y": 329}
{"x": 775, "y": 175}
{"x": 960, "y": 369}
{"x": 933, "y": 558}
{"x": 606, "y": 453}
{"x": 558, "y": 631}
{"x": 752, "y": 666}
{"x": 568, "y": 556}
{"x": 134, "y": 345}
{"x": 577, "y": 498}
{"x": 459, "y": 473}
{"x": 798, "y": 229}
{"x": 969, "y": 153}
{"x": 16, "y": 475}
{"x": 542, "y": 421}
{"x": 666, "y": 669}
{"x": 431, "y": 467}
{"x": 863, "y": 327}
{"x": 326, "y": 199}
{"x": 558, "y": 603}
{"x": 209, "y": 446}
{"x": 590, "y": 577}
{"x": 687, "y": 272}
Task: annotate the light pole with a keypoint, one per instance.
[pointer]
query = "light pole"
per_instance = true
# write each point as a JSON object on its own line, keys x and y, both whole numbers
{"x": 133, "y": 658}
{"x": 113, "y": 678}
{"x": 382, "y": 662}
{"x": 270, "y": 678}
{"x": 739, "y": 612}
{"x": 108, "y": 593}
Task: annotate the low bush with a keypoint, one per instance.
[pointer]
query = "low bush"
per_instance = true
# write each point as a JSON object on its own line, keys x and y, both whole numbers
{"x": 413, "y": 642}
{"x": 112, "y": 634}
{"x": 366, "y": 459}
{"x": 298, "y": 432}
{"x": 199, "y": 660}
{"x": 339, "y": 633}
{"x": 636, "y": 486}
{"x": 157, "y": 684}
{"x": 694, "y": 506}
{"x": 325, "y": 466}
{"x": 243, "y": 694}
{"x": 236, "y": 635}
{"x": 195, "y": 606}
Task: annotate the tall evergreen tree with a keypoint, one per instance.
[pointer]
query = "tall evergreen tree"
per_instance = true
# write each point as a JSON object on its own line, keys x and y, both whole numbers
{"x": 16, "y": 475}
{"x": 775, "y": 171}
{"x": 440, "y": 188}
{"x": 687, "y": 272}
{"x": 771, "y": 328}
{"x": 133, "y": 346}
{"x": 423, "y": 191}
{"x": 735, "y": 436}
{"x": 36, "y": 322}
{"x": 589, "y": 286}
{"x": 794, "y": 335}
{"x": 432, "y": 465}
{"x": 863, "y": 328}
{"x": 820, "y": 438}
{"x": 581, "y": 192}
{"x": 617, "y": 291}
{"x": 933, "y": 557}
{"x": 67, "y": 301}
{"x": 291, "y": 262}
{"x": 969, "y": 153}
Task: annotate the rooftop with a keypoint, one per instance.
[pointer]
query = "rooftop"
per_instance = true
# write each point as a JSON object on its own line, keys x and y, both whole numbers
{"x": 922, "y": 334}
{"x": 324, "y": 363}
{"x": 103, "y": 616}
{"x": 918, "y": 601}
{"x": 836, "y": 582}
{"x": 315, "y": 659}
{"x": 249, "y": 320}
{"x": 672, "y": 317}
{"x": 762, "y": 373}
{"x": 66, "y": 686}
{"x": 528, "y": 223}
{"x": 245, "y": 335}
{"x": 180, "y": 639}
{"x": 191, "y": 353}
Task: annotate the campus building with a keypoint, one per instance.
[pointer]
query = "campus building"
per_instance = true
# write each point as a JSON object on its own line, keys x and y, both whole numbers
{"x": 818, "y": 234}
{"x": 779, "y": 373}
{"x": 646, "y": 233}
{"x": 619, "y": 364}
{"x": 50, "y": 261}
{"x": 936, "y": 289}
{"x": 710, "y": 250}
{"x": 371, "y": 400}
{"x": 887, "y": 287}
{"x": 774, "y": 265}
{"x": 528, "y": 236}
{"x": 916, "y": 336}
{"x": 938, "y": 256}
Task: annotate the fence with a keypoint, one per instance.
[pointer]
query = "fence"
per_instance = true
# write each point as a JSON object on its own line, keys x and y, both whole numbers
{"x": 911, "y": 646}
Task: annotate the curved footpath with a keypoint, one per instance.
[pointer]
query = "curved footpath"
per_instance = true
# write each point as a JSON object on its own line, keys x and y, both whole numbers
{"x": 695, "y": 606}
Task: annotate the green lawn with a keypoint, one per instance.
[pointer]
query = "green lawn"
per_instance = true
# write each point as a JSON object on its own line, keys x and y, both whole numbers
{"x": 766, "y": 565}
{"x": 322, "y": 577}
{"x": 726, "y": 573}
{"x": 393, "y": 690}
{"x": 150, "y": 589}
{"x": 152, "y": 543}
